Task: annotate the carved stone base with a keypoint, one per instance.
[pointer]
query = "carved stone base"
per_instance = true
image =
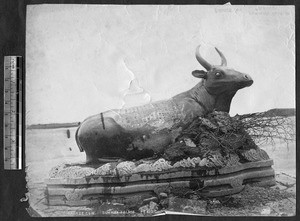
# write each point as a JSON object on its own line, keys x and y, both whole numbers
{"x": 123, "y": 189}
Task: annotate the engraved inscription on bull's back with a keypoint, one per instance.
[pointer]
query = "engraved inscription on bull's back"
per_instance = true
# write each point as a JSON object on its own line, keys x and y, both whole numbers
{"x": 158, "y": 115}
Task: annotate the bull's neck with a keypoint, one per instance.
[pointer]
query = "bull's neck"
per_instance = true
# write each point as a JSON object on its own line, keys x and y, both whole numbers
{"x": 202, "y": 97}
{"x": 210, "y": 101}
{"x": 223, "y": 101}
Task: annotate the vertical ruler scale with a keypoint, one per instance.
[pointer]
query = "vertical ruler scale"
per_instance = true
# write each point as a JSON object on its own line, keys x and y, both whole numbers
{"x": 19, "y": 108}
{"x": 12, "y": 112}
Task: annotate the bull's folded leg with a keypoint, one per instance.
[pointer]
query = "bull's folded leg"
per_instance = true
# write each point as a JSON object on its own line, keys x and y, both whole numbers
{"x": 91, "y": 159}
{"x": 139, "y": 154}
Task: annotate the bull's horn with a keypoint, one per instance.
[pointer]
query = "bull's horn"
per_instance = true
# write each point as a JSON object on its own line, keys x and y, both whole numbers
{"x": 204, "y": 63}
{"x": 224, "y": 62}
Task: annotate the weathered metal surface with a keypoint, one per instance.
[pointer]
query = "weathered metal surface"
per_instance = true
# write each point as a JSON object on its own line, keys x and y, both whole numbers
{"x": 140, "y": 132}
{"x": 228, "y": 180}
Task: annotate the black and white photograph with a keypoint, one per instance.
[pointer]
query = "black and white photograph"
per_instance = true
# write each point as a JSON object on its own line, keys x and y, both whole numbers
{"x": 150, "y": 110}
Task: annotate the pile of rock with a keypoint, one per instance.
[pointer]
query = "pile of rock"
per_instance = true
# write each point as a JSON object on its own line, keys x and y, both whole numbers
{"x": 213, "y": 135}
{"x": 127, "y": 168}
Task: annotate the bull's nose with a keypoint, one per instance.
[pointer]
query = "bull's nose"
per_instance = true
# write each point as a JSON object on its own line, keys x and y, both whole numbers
{"x": 247, "y": 80}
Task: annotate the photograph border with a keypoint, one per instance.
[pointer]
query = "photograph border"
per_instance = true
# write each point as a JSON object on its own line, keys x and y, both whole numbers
{"x": 12, "y": 42}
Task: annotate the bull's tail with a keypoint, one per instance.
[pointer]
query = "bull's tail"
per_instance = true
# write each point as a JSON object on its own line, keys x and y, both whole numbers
{"x": 77, "y": 141}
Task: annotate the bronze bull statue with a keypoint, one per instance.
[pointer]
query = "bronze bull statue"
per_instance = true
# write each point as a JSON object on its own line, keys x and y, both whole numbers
{"x": 138, "y": 132}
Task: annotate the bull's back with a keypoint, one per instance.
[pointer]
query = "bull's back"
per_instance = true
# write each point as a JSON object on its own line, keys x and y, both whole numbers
{"x": 114, "y": 132}
{"x": 157, "y": 115}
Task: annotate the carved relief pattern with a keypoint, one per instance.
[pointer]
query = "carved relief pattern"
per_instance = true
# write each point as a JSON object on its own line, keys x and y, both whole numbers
{"x": 73, "y": 195}
{"x": 236, "y": 182}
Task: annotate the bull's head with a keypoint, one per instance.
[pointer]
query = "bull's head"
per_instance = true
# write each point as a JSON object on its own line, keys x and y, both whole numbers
{"x": 219, "y": 79}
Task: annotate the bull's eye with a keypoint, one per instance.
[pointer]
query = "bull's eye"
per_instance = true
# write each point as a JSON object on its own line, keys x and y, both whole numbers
{"x": 218, "y": 74}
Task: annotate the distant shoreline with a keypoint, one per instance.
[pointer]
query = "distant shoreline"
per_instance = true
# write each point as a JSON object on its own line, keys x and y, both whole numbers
{"x": 53, "y": 125}
{"x": 286, "y": 112}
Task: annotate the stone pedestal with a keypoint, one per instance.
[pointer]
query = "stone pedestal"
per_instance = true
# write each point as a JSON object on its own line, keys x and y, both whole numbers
{"x": 123, "y": 188}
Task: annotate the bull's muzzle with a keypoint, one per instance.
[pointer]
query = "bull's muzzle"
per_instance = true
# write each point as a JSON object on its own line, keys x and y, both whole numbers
{"x": 247, "y": 80}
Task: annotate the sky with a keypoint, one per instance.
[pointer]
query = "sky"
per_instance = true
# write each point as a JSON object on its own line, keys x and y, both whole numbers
{"x": 85, "y": 59}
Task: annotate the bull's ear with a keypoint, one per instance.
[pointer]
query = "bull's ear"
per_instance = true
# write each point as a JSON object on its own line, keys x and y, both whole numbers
{"x": 199, "y": 74}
